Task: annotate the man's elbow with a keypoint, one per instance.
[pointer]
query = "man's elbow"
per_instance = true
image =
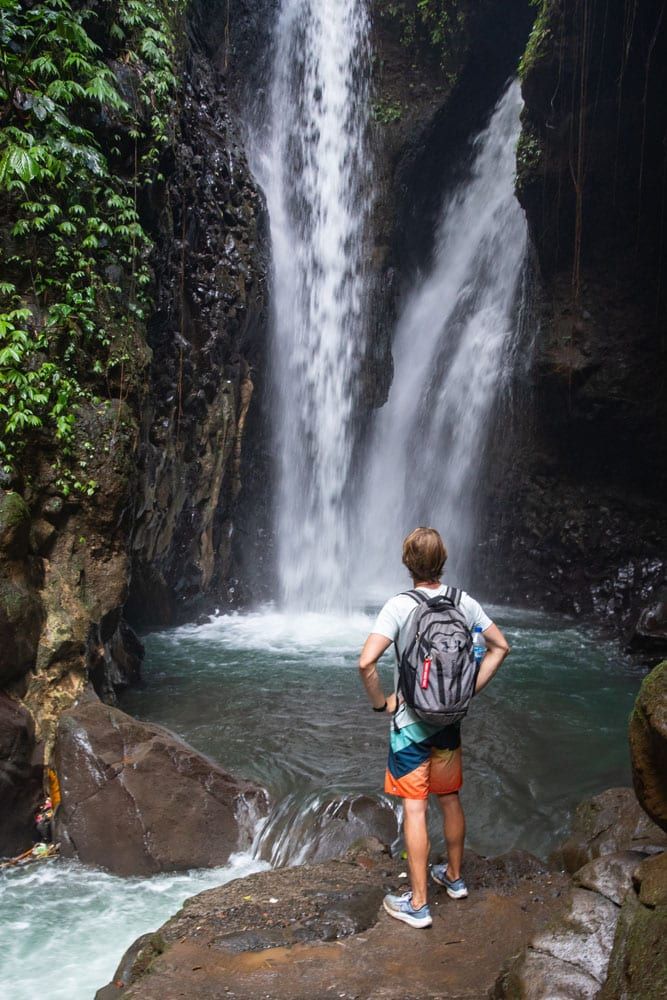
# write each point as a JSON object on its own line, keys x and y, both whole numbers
{"x": 365, "y": 664}
{"x": 506, "y": 649}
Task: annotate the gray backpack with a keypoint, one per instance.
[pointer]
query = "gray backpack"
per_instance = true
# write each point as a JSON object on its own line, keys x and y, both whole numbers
{"x": 437, "y": 671}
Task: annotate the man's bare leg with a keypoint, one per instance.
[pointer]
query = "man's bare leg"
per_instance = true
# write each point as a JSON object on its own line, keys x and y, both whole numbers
{"x": 415, "y": 833}
{"x": 454, "y": 823}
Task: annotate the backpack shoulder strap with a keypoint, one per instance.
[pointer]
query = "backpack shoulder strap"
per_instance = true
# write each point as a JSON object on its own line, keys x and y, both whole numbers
{"x": 416, "y": 596}
{"x": 454, "y": 594}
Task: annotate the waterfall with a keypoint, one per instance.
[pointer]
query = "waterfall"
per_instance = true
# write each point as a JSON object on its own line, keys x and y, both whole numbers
{"x": 313, "y": 165}
{"x": 454, "y": 349}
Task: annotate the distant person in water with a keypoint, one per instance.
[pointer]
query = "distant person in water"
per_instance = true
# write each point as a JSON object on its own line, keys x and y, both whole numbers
{"x": 424, "y": 758}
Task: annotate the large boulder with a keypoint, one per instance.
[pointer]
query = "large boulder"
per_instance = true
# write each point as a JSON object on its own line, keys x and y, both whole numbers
{"x": 137, "y": 800}
{"x": 569, "y": 959}
{"x": 648, "y": 745}
{"x": 638, "y": 963}
{"x": 20, "y": 777}
{"x": 606, "y": 824}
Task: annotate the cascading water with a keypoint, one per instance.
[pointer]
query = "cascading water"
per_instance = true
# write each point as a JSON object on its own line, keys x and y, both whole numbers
{"x": 453, "y": 351}
{"x": 313, "y": 166}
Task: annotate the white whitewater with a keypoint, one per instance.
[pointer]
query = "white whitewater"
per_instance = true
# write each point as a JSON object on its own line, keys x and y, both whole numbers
{"x": 314, "y": 168}
{"x": 453, "y": 352}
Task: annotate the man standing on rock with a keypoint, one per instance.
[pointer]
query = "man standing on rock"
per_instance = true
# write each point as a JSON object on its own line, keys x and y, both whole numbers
{"x": 424, "y": 758}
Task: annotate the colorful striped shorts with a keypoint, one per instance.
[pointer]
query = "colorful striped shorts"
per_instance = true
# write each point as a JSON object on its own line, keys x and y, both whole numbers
{"x": 419, "y": 767}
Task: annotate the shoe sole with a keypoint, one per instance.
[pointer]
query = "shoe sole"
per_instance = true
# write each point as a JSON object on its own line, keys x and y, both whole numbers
{"x": 406, "y": 918}
{"x": 456, "y": 893}
{"x": 452, "y": 893}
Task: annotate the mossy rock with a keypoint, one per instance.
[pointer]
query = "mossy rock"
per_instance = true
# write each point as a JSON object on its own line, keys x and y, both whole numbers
{"x": 21, "y": 617}
{"x": 529, "y": 157}
{"x": 14, "y": 525}
{"x": 638, "y": 963}
{"x": 648, "y": 745}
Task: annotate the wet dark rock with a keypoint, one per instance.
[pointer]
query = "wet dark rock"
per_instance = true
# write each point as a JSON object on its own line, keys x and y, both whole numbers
{"x": 137, "y": 800}
{"x": 115, "y": 663}
{"x": 648, "y": 745}
{"x": 586, "y": 463}
{"x": 332, "y": 827}
{"x": 20, "y": 777}
{"x": 606, "y": 824}
{"x": 21, "y": 610}
{"x": 134, "y": 963}
{"x": 206, "y": 334}
{"x": 650, "y": 632}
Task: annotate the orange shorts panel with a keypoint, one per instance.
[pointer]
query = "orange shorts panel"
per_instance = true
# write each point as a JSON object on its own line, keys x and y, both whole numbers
{"x": 440, "y": 774}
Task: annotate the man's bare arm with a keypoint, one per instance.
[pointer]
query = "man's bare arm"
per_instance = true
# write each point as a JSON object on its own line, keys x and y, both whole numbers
{"x": 373, "y": 649}
{"x": 497, "y": 648}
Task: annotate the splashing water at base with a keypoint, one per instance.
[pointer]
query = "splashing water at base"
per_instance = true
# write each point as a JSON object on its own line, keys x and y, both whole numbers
{"x": 549, "y": 731}
{"x": 66, "y": 927}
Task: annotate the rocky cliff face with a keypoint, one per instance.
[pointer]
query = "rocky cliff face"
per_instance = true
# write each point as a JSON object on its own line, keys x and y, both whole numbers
{"x": 166, "y": 449}
{"x": 588, "y": 530}
{"x": 206, "y": 337}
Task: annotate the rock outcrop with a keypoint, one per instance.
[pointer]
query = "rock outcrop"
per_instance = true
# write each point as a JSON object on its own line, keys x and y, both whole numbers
{"x": 609, "y": 822}
{"x": 138, "y": 800}
{"x": 608, "y": 937}
{"x": 20, "y": 776}
{"x": 21, "y": 611}
{"x": 648, "y": 745}
{"x": 638, "y": 964}
{"x": 297, "y": 932}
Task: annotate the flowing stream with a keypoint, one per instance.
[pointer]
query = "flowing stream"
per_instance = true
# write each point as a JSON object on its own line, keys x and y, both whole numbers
{"x": 549, "y": 731}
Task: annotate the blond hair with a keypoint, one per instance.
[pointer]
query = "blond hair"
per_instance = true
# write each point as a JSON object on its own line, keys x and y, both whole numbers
{"x": 424, "y": 554}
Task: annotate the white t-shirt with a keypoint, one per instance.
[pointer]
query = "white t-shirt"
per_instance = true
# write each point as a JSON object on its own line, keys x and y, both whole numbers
{"x": 392, "y": 620}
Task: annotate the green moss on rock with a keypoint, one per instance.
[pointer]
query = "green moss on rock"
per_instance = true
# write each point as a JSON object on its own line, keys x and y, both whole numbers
{"x": 638, "y": 963}
{"x": 541, "y": 38}
{"x": 14, "y": 524}
{"x": 529, "y": 157}
{"x": 648, "y": 744}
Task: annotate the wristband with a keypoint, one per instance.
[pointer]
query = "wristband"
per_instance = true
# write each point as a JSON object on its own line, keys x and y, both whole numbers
{"x": 383, "y": 709}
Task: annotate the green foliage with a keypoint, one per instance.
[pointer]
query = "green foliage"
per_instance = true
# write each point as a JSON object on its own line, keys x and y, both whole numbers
{"x": 528, "y": 157}
{"x": 438, "y": 22}
{"x": 539, "y": 36}
{"x": 76, "y": 258}
{"x": 387, "y": 112}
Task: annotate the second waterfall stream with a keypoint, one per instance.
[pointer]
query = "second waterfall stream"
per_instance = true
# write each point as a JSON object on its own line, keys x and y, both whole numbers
{"x": 454, "y": 349}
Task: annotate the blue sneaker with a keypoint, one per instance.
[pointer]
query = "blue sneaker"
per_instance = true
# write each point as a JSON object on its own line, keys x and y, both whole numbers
{"x": 401, "y": 908}
{"x": 456, "y": 888}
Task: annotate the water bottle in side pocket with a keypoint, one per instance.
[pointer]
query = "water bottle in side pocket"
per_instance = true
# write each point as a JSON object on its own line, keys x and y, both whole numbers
{"x": 478, "y": 644}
